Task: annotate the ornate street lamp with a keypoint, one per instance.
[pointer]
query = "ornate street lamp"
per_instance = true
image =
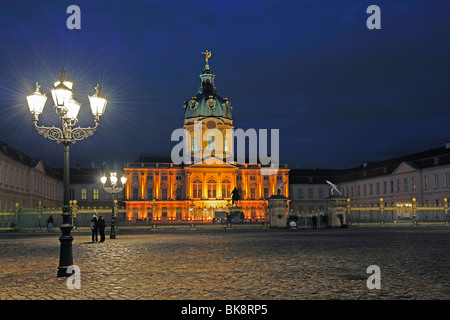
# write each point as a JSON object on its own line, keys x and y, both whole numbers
{"x": 67, "y": 109}
{"x": 113, "y": 188}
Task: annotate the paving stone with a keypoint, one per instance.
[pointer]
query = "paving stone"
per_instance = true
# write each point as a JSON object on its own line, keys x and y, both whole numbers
{"x": 233, "y": 265}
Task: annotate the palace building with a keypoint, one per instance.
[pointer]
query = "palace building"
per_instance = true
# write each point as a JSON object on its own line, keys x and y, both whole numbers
{"x": 161, "y": 190}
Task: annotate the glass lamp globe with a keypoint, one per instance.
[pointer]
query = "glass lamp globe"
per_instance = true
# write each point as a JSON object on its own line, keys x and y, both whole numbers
{"x": 73, "y": 107}
{"x": 98, "y": 102}
{"x": 36, "y": 101}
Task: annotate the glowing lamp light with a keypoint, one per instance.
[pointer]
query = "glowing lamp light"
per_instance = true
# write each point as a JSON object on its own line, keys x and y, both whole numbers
{"x": 73, "y": 107}
{"x": 113, "y": 178}
{"x": 103, "y": 179}
{"x": 36, "y": 100}
{"x": 61, "y": 94}
{"x": 123, "y": 180}
{"x": 98, "y": 103}
{"x": 67, "y": 83}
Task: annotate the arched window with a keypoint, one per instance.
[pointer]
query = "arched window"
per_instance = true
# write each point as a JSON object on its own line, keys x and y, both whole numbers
{"x": 197, "y": 188}
{"x": 226, "y": 188}
{"x": 212, "y": 187}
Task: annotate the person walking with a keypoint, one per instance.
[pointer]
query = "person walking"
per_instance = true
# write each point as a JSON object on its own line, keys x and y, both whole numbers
{"x": 101, "y": 228}
{"x": 314, "y": 222}
{"x": 94, "y": 228}
{"x": 50, "y": 224}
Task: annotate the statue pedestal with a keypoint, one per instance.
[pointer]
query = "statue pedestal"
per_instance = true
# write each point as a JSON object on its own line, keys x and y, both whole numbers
{"x": 337, "y": 211}
{"x": 278, "y": 211}
{"x": 237, "y": 215}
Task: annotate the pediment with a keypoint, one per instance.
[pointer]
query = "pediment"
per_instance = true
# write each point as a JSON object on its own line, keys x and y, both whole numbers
{"x": 405, "y": 167}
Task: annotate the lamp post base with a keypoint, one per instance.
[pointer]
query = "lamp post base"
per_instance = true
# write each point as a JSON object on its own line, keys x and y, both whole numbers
{"x": 65, "y": 254}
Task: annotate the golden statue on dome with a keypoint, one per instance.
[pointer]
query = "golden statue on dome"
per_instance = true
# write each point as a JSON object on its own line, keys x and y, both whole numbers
{"x": 207, "y": 56}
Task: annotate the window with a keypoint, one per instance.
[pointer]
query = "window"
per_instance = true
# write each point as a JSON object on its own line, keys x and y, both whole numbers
{"x": 164, "y": 193}
{"x": 135, "y": 193}
{"x": 392, "y": 186}
{"x": 178, "y": 178}
{"x": 447, "y": 180}
{"x": 95, "y": 194}
{"x": 358, "y": 190}
{"x": 72, "y": 194}
{"x": 83, "y": 194}
{"x": 178, "y": 213}
{"x": 253, "y": 193}
{"x": 164, "y": 213}
{"x": 12, "y": 178}
{"x": 194, "y": 143}
{"x": 413, "y": 183}
{"x": 266, "y": 178}
{"x": 398, "y": 185}
{"x": 253, "y": 178}
{"x": 6, "y": 175}
{"x": 435, "y": 181}
{"x": 197, "y": 188}
{"x": 300, "y": 193}
{"x": 310, "y": 193}
{"x": 149, "y": 177}
{"x": 351, "y": 191}
{"x": 425, "y": 182}
{"x": 150, "y": 193}
{"x": 378, "y": 188}
{"x": 321, "y": 193}
{"x": 370, "y": 189}
{"x": 210, "y": 145}
{"x": 266, "y": 193}
{"x": 179, "y": 193}
{"x": 364, "y": 190}
{"x": 226, "y": 188}
{"x": 211, "y": 188}
{"x": 384, "y": 187}
{"x": 405, "y": 184}
{"x": 163, "y": 178}
{"x": 0, "y": 172}
{"x": 135, "y": 178}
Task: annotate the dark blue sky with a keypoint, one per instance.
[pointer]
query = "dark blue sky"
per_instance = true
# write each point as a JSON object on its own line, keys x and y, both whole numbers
{"x": 340, "y": 94}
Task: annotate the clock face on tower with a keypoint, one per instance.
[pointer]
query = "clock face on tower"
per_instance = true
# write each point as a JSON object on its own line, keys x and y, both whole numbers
{"x": 210, "y": 124}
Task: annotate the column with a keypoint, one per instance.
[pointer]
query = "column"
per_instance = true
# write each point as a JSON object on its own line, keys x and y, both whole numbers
{"x": 143, "y": 182}
{"x": 157, "y": 185}
{"x": 188, "y": 188}
{"x": 219, "y": 186}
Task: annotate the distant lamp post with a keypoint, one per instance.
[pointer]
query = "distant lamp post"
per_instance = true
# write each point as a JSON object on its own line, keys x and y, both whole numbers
{"x": 113, "y": 188}
{"x": 67, "y": 108}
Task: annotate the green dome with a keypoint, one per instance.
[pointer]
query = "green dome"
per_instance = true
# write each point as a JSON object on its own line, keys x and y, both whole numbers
{"x": 207, "y": 103}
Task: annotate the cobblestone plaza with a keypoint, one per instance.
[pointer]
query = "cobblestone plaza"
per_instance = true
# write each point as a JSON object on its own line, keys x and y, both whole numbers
{"x": 232, "y": 264}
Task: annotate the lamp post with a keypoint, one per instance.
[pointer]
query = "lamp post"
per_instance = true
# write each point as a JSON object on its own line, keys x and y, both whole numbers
{"x": 67, "y": 108}
{"x": 113, "y": 188}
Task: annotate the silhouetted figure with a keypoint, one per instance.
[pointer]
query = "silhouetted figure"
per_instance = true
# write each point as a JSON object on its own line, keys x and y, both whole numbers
{"x": 94, "y": 229}
{"x": 101, "y": 228}
{"x": 235, "y": 196}
{"x": 50, "y": 224}
{"x": 314, "y": 222}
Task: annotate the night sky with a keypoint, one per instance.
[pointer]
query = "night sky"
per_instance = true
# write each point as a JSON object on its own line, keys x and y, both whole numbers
{"x": 339, "y": 93}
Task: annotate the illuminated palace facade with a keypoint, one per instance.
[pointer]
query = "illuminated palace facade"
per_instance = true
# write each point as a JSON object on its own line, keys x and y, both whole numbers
{"x": 161, "y": 190}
